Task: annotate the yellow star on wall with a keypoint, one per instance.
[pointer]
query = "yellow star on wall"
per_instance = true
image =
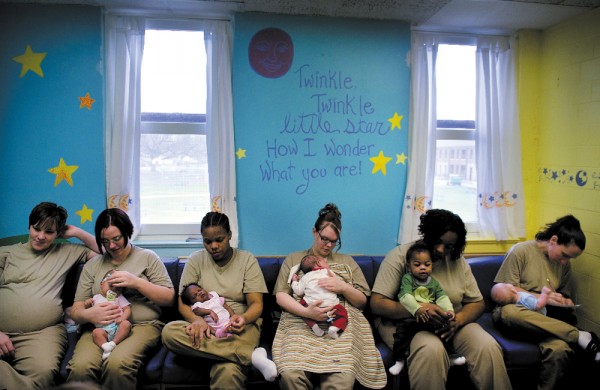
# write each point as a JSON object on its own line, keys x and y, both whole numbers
{"x": 379, "y": 163}
{"x": 241, "y": 153}
{"x": 86, "y": 101}
{"x": 395, "y": 120}
{"x": 85, "y": 214}
{"x": 401, "y": 159}
{"x": 63, "y": 172}
{"x": 31, "y": 62}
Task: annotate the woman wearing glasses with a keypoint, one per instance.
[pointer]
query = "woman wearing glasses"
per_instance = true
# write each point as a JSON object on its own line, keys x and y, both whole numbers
{"x": 146, "y": 285}
{"x": 303, "y": 357}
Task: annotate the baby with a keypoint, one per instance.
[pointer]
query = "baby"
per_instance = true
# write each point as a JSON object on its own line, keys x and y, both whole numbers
{"x": 308, "y": 288}
{"x": 217, "y": 314}
{"x": 418, "y": 286}
{"x": 108, "y": 336}
{"x": 210, "y": 306}
{"x": 506, "y": 293}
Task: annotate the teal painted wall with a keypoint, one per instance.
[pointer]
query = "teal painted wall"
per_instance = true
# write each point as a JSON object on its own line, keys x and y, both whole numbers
{"x": 40, "y": 117}
{"x": 367, "y": 80}
{"x": 308, "y": 134}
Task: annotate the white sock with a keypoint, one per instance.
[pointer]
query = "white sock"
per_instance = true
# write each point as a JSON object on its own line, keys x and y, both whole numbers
{"x": 108, "y": 347}
{"x": 264, "y": 365}
{"x": 396, "y": 368}
{"x": 457, "y": 360}
{"x": 333, "y": 332}
{"x": 105, "y": 355}
{"x": 584, "y": 339}
{"x": 318, "y": 331}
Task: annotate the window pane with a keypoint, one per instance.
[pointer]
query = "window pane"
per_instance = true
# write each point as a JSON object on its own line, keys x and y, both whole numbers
{"x": 173, "y": 179}
{"x": 455, "y": 184}
{"x": 174, "y": 72}
{"x": 173, "y": 160}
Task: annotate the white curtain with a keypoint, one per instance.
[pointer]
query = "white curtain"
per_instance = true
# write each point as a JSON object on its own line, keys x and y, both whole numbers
{"x": 124, "y": 47}
{"x": 219, "y": 122}
{"x": 498, "y": 144}
{"x": 498, "y": 148}
{"x": 421, "y": 136}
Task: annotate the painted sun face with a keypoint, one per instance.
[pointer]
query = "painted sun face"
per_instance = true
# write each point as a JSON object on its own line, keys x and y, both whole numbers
{"x": 271, "y": 52}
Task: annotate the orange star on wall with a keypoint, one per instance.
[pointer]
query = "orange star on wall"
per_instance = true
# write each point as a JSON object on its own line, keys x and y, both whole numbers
{"x": 63, "y": 172}
{"x": 86, "y": 101}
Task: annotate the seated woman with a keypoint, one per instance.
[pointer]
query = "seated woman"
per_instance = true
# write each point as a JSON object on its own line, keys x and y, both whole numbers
{"x": 146, "y": 285}
{"x": 445, "y": 235}
{"x": 32, "y": 338}
{"x": 301, "y": 355}
{"x": 236, "y": 276}
{"x": 546, "y": 262}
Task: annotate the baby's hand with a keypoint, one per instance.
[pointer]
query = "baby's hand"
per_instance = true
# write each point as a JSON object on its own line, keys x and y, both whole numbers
{"x": 422, "y": 314}
{"x": 214, "y": 316}
{"x": 451, "y": 315}
{"x": 295, "y": 277}
{"x": 88, "y": 303}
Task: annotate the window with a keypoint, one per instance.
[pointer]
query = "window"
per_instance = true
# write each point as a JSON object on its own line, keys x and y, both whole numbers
{"x": 455, "y": 183}
{"x": 174, "y": 190}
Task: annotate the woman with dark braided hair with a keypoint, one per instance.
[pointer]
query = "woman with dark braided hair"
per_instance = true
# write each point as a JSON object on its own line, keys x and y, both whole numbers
{"x": 428, "y": 362}
{"x": 303, "y": 357}
{"x": 235, "y": 275}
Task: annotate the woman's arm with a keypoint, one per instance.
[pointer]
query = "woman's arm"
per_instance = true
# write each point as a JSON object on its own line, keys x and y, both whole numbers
{"x": 102, "y": 313}
{"x": 85, "y": 237}
{"x": 161, "y": 295}
{"x": 354, "y": 296}
{"x": 388, "y": 308}
{"x": 312, "y": 311}
{"x": 229, "y": 309}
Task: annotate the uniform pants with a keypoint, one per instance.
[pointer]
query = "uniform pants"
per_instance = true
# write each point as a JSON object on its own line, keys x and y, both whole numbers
{"x": 232, "y": 354}
{"x": 37, "y": 359}
{"x": 119, "y": 371}
{"x": 428, "y": 357}
{"x": 298, "y": 379}
{"x": 553, "y": 336}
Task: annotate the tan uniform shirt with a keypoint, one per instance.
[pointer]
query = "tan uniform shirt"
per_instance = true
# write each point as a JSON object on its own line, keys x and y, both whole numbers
{"x": 527, "y": 267}
{"x": 242, "y": 275}
{"x": 142, "y": 263}
{"x": 31, "y": 284}
{"x": 454, "y": 276}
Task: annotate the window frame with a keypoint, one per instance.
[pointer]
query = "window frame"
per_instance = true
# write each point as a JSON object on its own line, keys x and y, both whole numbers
{"x": 459, "y": 130}
{"x": 172, "y": 124}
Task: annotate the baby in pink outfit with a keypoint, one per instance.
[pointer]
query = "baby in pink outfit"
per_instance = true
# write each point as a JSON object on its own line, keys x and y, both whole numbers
{"x": 209, "y": 305}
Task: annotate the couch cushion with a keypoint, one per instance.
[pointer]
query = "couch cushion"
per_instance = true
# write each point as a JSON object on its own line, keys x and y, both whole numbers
{"x": 517, "y": 354}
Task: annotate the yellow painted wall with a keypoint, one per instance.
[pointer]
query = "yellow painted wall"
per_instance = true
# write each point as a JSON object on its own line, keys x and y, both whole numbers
{"x": 559, "y": 102}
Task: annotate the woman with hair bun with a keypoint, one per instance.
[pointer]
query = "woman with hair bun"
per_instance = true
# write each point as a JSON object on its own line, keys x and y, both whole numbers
{"x": 300, "y": 355}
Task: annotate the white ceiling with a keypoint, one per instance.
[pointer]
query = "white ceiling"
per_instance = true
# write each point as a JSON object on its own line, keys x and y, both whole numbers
{"x": 467, "y": 16}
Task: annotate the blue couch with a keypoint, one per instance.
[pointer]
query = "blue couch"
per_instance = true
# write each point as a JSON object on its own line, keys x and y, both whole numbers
{"x": 165, "y": 370}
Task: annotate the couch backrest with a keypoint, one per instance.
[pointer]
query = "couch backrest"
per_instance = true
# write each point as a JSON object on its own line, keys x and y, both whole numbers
{"x": 485, "y": 269}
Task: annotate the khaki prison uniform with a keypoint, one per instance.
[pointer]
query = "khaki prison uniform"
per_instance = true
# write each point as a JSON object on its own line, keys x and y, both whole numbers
{"x": 240, "y": 276}
{"x": 428, "y": 361}
{"x": 120, "y": 369}
{"x": 527, "y": 267}
{"x": 31, "y": 311}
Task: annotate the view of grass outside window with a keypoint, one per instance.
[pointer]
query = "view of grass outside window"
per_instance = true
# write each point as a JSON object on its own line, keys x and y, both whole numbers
{"x": 173, "y": 164}
{"x": 455, "y": 183}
